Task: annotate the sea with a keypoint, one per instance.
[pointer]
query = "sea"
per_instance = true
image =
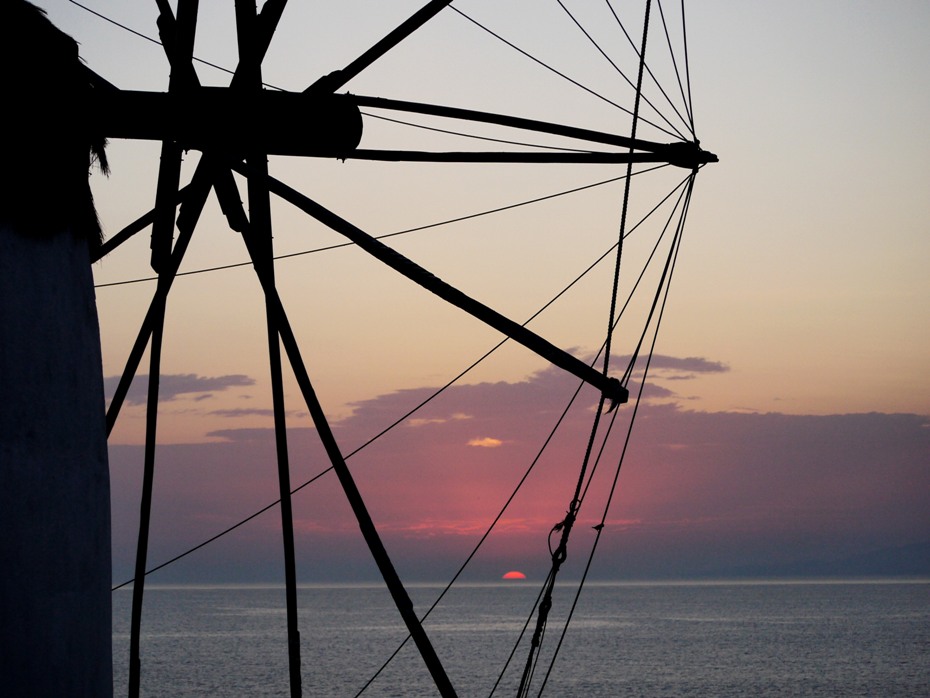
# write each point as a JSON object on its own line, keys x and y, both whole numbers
{"x": 826, "y": 638}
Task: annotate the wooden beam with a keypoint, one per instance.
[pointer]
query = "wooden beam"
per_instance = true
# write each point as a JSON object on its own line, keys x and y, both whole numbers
{"x": 279, "y": 123}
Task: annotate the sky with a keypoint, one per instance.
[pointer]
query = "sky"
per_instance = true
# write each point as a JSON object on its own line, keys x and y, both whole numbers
{"x": 785, "y": 422}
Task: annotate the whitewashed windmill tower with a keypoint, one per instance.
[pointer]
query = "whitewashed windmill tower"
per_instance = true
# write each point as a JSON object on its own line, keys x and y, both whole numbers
{"x": 55, "y": 628}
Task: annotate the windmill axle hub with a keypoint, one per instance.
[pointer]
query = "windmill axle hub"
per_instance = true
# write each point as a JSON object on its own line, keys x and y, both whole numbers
{"x": 276, "y": 123}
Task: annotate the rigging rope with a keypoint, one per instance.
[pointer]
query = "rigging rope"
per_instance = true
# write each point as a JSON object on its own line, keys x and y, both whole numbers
{"x": 146, "y": 37}
{"x": 136, "y": 227}
{"x": 487, "y": 533}
{"x": 440, "y": 390}
{"x": 229, "y": 71}
{"x": 566, "y": 525}
{"x": 671, "y": 52}
{"x": 554, "y": 70}
{"x": 617, "y": 319}
{"x": 673, "y": 259}
{"x": 684, "y": 37}
{"x": 547, "y": 440}
{"x": 655, "y": 80}
{"x": 436, "y": 394}
{"x": 476, "y": 137}
{"x": 617, "y": 68}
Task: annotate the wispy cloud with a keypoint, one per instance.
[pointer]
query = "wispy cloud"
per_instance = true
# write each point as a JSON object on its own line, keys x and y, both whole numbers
{"x": 690, "y": 364}
{"x": 422, "y": 422}
{"x": 173, "y": 385}
{"x": 676, "y": 368}
{"x": 243, "y": 412}
{"x": 261, "y": 434}
{"x": 416, "y": 422}
{"x": 253, "y": 412}
{"x": 485, "y": 442}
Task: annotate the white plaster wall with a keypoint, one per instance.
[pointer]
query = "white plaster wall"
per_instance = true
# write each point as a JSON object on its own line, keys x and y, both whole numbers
{"x": 55, "y": 632}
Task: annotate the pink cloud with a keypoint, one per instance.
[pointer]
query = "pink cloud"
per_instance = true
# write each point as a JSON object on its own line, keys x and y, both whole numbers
{"x": 698, "y": 491}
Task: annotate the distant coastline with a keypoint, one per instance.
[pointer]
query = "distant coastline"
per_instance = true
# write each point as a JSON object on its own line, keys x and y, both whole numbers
{"x": 893, "y": 562}
{"x": 907, "y": 563}
{"x": 566, "y": 582}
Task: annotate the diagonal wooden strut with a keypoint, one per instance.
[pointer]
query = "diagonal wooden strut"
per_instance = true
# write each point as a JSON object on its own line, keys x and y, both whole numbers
{"x": 231, "y": 204}
{"x": 401, "y": 599}
{"x": 156, "y": 307}
{"x": 609, "y": 387}
{"x": 337, "y": 79}
{"x": 250, "y": 53}
{"x": 182, "y": 49}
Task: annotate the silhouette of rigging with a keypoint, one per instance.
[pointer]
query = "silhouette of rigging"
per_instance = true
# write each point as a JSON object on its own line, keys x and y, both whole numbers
{"x": 313, "y": 123}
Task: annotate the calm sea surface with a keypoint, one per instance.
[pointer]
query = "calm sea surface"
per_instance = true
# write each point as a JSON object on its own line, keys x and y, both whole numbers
{"x": 722, "y": 639}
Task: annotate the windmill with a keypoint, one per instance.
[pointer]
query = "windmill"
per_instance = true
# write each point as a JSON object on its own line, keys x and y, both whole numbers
{"x": 317, "y": 122}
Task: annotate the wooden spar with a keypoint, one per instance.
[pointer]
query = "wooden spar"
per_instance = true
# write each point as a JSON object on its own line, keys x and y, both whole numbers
{"x": 320, "y": 125}
{"x": 180, "y": 48}
{"x": 279, "y": 123}
{"x": 609, "y": 387}
{"x": 535, "y": 125}
{"x": 337, "y": 79}
{"x": 250, "y": 83}
{"x": 682, "y": 154}
{"x": 353, "y": 495}
{"x": 535, "y": 157}
{"x": 137, "y": 226}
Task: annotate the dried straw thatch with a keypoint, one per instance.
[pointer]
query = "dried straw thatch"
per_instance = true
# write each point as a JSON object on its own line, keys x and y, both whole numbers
{"x": 48, "y": 108}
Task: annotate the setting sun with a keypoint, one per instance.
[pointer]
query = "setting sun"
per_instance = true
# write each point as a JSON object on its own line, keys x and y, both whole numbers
{"x": 513, "y": 574}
